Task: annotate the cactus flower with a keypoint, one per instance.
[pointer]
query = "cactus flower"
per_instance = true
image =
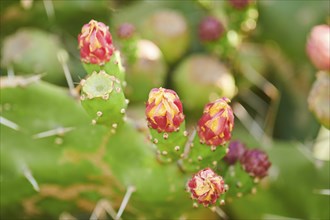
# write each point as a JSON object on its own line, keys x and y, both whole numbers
{"x": 216, "y": 123}
{"x": 255, "y": 162}
{"x": 236, "y": 151}
{"x": 318, "y": 47}
{"x": 206, "y": 186}
{"x": 164, "y": 110}
{"x": 239, "y": 4}
{"x": 210, "y": 29}
{"x": 95, "y": 43}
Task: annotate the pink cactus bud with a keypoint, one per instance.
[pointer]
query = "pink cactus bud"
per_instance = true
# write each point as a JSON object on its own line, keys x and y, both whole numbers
{"x": 318, "y": 47}
{"x": 210, "y": 29}
{"x": 216, "y": 123}
{"x": 239, "y": 4}
{"x": 206, "y": 186}
{"x": 164, "y": 110}
{"x": 125, "y": 30}
{"x": 236, "y": 150}
{"x": 255, "y": 162}
{"x": 95, "y": 43}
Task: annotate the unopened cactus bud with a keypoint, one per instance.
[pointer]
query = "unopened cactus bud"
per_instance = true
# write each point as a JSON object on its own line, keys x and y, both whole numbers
{"x": 255, "y": 162}
{"x": 169, "y": 30}
{"x": 236, "y": 150}
{"x": 206, "y": 186}
{"x": 103, "y": 98}
{"x": 239, "y": 4}
{"x": 125, "y": 31}
{"x": 319, "y": 98}
{"x": 318, "y": 47}
{"x": 95, "y": 43}
{"x": 164, "y": 110}
{"x": 210, "y": 29}
{"x": 217, "y": 122}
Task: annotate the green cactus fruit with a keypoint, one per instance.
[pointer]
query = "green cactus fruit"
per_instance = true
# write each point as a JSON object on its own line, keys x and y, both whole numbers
{"x": 127, "y": 39}
{"x": 103, "y": 99}
{"x": 148, "y": 71}
{"x": 113, "y": 67}
{"x": 319, "y": 98}
{"x": 209, "y": 78}
{"x": 33, "y": 51}
{"x": 169, "y": 30}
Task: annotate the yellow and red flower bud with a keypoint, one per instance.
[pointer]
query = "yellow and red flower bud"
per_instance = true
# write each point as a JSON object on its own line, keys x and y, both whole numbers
{"x": 217, "y": 122}
{"x": 95, "y": 43}
{"x": 206, "y": 186}
{"x": 164, "y": 110}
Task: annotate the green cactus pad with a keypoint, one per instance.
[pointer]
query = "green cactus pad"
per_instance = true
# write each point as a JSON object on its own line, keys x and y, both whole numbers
{"x": 103, "y": 99}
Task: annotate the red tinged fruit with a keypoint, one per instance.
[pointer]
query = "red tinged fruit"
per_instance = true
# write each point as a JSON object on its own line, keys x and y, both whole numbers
{"x": 239, "y": 4}
{"x": 236, "y": 151}
{"x": 216, "y": 124}
{"x": 206, "y": 186}
{"x": 255, "y": 162}
{"x": 164, "y": 110}
{"x": 125, "y": 31}
{"x": 95, "y": 43}
{"x": 210, "y": 29}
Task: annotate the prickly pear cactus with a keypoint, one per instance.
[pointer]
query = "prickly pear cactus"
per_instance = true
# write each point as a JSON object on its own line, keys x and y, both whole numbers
{"x": 69, "y": 157}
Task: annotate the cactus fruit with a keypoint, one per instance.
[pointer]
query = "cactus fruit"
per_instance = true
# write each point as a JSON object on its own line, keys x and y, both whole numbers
{"x": 147, "y": 71}
{"x": 166, "y": 121}
{"x": 103, "y": 99}
{"x": 255, "y": 162}
{"x": 236, "y": 150}
{"x": 319, "y": 98}
{"x": 209, "y": 78}
{"x": 18, "y": 53}
{"x": 97, "y": 51}
{"x": 210, "y": 29}
{"x": 318, "y": 47}
{"x": 239, "y": 4}
{"x": 125, "y": 31}
{"x": 164, "y": 28}
{"x": 206, "y": 187}
{"x": 216, "y": 124}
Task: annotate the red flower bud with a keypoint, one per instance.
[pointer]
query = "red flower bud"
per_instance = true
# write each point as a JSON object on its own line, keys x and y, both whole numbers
{"x": 125, "y": 30}
{"x": 216, "y": 123}
{"x": 318, "y": 47}
{"x": 239, "y": 4}
{"x": 255, "y": 162}
{"x": 206, "y": 186}
{"x": 95, "y": 43}
{"x": 210, "y": 29}
{"x": 164, "y": 110}
{"x": 236, "y": 151}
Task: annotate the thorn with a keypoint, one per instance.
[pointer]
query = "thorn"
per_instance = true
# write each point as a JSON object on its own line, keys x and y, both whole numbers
{"x": 93, "y": 122}
{"x": 114, "y": 125}
{"x": 222, "y": 202}
{"x": 164, "y": 153}
{"x": 66, "y": 216}
{"x": 155, "y": 141}
{"x": 239, "y": 184}
{"x": 226, "y": 187}
{"x": 105, "y": 97}
{"x": 126, "y": 101}
{"x": 165, "y": 136}
{"x": 9, "y": 123}
{"x": 118, "y": 89}
{"x": 28, "y": 175}
{"x": 49, "y": 7}
{"x": 181, "y": 155}
{"x": 122, "y": 111}
{"x": 57, "y": 131}
{"x": 213, "y": 148}
{"x": 113, "y": 131}
{"x": 221, "y": 213}
{"x": 58, "y": 141}
{"x": 82, "y": 97}
{"x": 63, "y": 57}
{"x": 195, "y": 205}
{"x": 177, "y": 148}
{"x": 213, "y": 208}
{"x": 101, "y": 206}
{"x": 254, "y": 190}
{"x": 99, "y": 114}
{"x": 123, "y": 204}
{"x": 191, "y": 145}
{"x": 185, "y": 133}
{"x": 82, "y": 82}
{"x": 199, "y": 158}
{"x": 214, "y": 163}
{"x": 239, "y": 195}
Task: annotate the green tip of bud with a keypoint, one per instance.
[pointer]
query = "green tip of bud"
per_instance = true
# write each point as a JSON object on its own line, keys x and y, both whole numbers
{"x": 103, "y": 98}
